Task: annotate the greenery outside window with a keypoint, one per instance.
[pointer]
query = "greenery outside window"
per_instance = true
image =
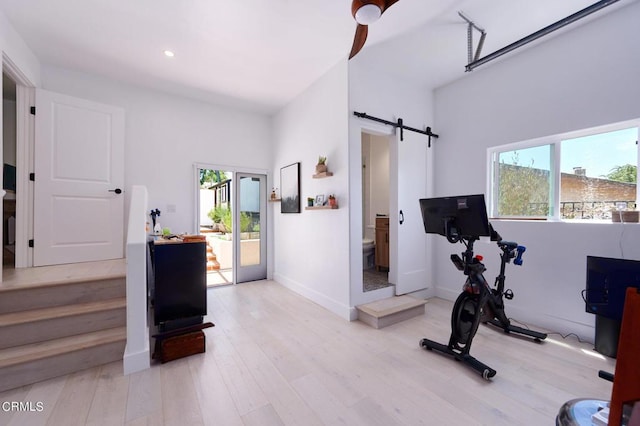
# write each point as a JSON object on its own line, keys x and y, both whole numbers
{"x": 583, "y": 175}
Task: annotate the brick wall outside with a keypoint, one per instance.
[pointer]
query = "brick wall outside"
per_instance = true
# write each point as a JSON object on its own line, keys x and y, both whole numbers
{"x": 582, "y": 188}
{"x": 584, "y": 197}
{"x": 581, "y": 197}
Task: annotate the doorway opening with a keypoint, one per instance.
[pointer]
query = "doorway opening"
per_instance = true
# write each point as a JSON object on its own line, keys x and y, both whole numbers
{"x": 216, "y": 223}
{"x": 232, "y": 216}
{"x": 375, "y": 211}
{"x": 9, "y": 144}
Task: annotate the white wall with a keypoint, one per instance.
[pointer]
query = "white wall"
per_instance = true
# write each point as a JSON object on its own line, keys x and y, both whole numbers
{"x": 167, "y": 134}
{"x": 384, "y": 96}
{"x": 312, "y": 248}
{"x": 17, "y": 52}
{"x": 580, "y": 79}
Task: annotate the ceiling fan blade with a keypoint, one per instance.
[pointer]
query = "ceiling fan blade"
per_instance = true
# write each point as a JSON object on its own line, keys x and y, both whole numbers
{"x": 388, "y": 4}
{"x": 359, "y": 39}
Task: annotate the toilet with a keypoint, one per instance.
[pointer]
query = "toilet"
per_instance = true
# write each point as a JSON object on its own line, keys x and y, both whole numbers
{"x": 368, "y": 250}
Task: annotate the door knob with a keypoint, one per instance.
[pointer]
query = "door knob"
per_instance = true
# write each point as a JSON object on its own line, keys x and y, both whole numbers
{"x": 401, "y": 216}
{"x": 117, "y": 190}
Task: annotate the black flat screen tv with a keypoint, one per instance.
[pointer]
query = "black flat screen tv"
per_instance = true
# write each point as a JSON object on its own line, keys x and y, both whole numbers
{"x": 607, "y": 282}
{"x": 467, "y": 214}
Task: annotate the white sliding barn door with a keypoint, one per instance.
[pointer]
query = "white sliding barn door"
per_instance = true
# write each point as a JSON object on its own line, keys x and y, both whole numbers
{"x": 409, "y": 265}
{"x": 79, "y": 178}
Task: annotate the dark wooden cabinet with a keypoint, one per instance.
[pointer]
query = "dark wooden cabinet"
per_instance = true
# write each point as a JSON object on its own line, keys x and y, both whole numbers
{"x": 178, "y": 283}
{"x": 382, "y": 243}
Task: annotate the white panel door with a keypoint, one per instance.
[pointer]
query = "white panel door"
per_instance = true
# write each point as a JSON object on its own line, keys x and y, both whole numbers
{"x": 409, "y": 260}
{"x": 79, "y": 178}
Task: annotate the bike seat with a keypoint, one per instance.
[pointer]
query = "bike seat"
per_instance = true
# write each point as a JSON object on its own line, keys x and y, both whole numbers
{"x": 508, "y": 244}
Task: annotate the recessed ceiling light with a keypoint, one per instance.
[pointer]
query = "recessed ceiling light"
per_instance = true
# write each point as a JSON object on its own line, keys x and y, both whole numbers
{"x": 169, "y": 53}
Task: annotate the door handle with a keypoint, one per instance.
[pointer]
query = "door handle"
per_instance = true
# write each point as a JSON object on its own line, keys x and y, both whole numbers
{"x": 117, "y": 190}
{"x": 401, "y": 217}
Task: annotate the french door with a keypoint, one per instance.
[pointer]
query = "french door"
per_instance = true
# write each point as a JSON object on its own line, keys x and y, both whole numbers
{"x": 231, "y": 211}
{"x": 250, "y": 225}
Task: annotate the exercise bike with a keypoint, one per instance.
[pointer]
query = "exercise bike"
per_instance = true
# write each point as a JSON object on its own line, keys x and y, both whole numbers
{"x": 464, "y": 220}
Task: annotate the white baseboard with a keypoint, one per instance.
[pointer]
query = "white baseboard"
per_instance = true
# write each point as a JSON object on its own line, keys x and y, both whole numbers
{"x": 337, "y": 308}
{"x": 134, "y": 362}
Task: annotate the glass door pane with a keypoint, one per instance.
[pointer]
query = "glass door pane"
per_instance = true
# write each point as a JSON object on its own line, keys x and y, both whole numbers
{"x": 251, "y": 220}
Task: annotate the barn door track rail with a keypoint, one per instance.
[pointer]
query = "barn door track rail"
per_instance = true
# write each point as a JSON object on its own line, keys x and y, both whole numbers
{"x": 398, "y": 125}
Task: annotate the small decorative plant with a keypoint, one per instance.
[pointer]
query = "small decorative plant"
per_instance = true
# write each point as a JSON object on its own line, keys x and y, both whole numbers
{"x": 310, "y": 201}
{"x": 321, "y": 167}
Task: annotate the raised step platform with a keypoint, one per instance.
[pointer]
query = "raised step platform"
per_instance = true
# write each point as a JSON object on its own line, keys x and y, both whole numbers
{"x": 47, "y": 286}
{"x": 55, "y": 320}
{"x": 385, "y": 312}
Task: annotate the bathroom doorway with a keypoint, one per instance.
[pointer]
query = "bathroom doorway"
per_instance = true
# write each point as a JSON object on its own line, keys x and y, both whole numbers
{"x": 375, "y": 211}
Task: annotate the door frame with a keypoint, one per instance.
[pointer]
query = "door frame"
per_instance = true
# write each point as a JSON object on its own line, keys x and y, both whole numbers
{"x": 358, "y": 295}
{"x": 25, "y": 142}
{"x": 234, "y": 170}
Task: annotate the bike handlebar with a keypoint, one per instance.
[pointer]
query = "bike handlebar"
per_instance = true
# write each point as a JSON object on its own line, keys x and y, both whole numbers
{"x": 508, "y": 247}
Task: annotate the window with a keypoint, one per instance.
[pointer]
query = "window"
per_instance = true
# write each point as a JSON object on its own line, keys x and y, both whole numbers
{"x": 523, "y": 182}
{"x": 584, "y": 175}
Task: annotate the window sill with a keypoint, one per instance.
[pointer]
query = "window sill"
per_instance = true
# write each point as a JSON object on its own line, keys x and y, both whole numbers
{"x": 554, "y": 220}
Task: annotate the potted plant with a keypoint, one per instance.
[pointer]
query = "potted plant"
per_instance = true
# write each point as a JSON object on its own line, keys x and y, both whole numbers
{"x": 332, "y": 201}
{"x": 321, "y": 167}
{"x": 310, "y": 201}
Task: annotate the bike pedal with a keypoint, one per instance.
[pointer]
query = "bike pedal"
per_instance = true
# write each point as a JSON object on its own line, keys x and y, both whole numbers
{"x": 508, "y": 294}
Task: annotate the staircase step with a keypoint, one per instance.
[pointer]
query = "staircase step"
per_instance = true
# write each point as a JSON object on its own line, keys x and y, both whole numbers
{"x": 385, "y": 312}
{"x": 26, "y": 364}
{"x": 21, "y": 328}
{"x": 63, "y": 292}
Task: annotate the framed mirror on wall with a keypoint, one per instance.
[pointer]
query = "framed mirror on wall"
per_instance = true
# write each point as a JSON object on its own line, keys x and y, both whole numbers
{"x": 290, "y": 188}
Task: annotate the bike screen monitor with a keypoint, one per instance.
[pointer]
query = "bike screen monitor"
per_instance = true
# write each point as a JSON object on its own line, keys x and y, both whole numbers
{"x": 459, "y": 217}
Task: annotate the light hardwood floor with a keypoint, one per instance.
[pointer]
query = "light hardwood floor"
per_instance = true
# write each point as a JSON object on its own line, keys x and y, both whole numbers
{"x": 275, "y": 358}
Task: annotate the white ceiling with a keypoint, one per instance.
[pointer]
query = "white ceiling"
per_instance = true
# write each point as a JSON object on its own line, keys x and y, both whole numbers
{"x": 260, "y": 54}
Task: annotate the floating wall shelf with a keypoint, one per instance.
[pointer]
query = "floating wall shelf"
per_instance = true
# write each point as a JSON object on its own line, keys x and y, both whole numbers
{"x": 321, "y": 208}
{"x": 322, "y": 175}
